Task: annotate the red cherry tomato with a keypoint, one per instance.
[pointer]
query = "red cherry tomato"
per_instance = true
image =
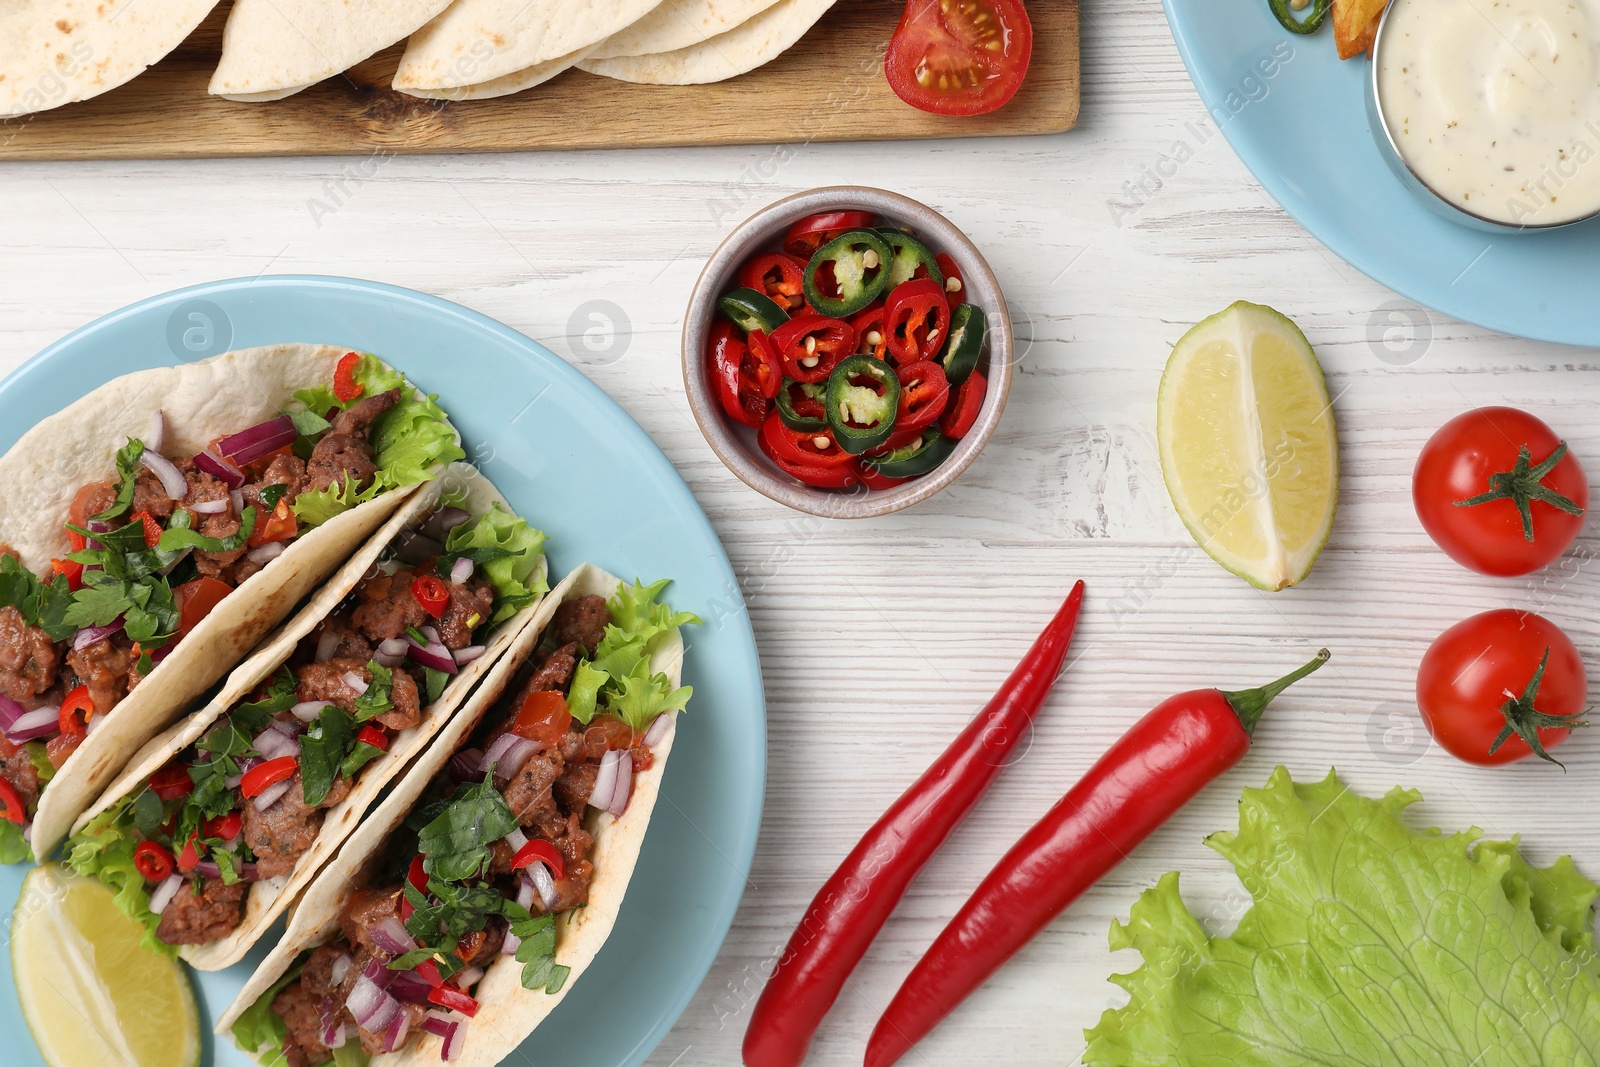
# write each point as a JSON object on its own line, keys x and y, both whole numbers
{"x": 918, "y": 320}
{"x": 543, "y": 717}
{"x": 963, "y": 409}
{"x": 1483, "y": 692}
{"x": 959, "y": 57}
{"x": 821, "y": 341}
{"x": 171, "y": 782}
{"x": 811, "y": 233}
{"x": 152, "y": 528}
{"x": 1477, "y": 456}
{"x": 924, "y": 392}
{"x": 779, "y": 275}
{"x": 345, "y": 386}
{"x": 196, "y": 599}
{"x": 280, "y": 525}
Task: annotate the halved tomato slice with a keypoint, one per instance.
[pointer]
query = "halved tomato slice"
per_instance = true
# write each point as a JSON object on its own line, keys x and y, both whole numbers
{"x": 959, "y": 57}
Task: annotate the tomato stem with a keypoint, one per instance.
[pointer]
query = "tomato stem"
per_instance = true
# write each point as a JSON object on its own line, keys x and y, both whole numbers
{"x": 1248, "y": 704}
{"x": 1524, "y": 720}
{"x": 1523, "y": 484}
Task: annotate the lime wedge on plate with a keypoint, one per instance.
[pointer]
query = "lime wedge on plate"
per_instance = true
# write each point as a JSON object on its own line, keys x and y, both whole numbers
{"x": 1248, "y": 447}
{"x": 92, "y": 995}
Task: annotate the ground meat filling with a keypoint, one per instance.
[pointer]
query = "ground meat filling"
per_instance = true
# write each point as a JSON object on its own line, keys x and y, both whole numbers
{"x": 301, "y": 1011}
{"x": 284, "y": 832}
{"x": 582, "y": 621}
{"x": 326, "y": 681}
{"x": 202, "y": 911}
{"x": 387, "y": 606}
{"x": 104, "y": 667}
{"x": 344, "y": 453}
{"x": 149, "y": 496}
{"x": 470, "y": 604}
{"x": 28, "y": 658}
{"x": 18, "y": 769}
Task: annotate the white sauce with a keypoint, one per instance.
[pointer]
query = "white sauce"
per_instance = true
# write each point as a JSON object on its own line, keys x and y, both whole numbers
{"x": 1495, "y": 104}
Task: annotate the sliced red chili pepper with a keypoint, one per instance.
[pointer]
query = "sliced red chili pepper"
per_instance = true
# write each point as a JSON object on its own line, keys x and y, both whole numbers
{"x": 872, "y": 478}
{"x": 963, "y": 409}
{"x": 897, "y": 440}
{"x": 800, "y": 447}
{"x": 12, "y": 807}
{"x": 812, "y": 232}
{"x": 432, "y": 593}
{"x": 345, "y": 386}
{"x": 924, "y": 392}
{"x": 371, "y": 735}
{"x": 780, "y": 276}
{"x": 73, "y": 571}
{"x": 75, "y": 711}
{"x": 452, "y": 999}
{"x": 260, "y": 778}
{"x": 419, "y": 881}
{"x": 954, "y": 294}
{"x": 427, "y": 968}
{"x": 281, "y": 525}
{"x": 869, "y": 324}
{"x": 171, "y": 782}
{"x": 759, "y": 371}
{"x": 152, "y": 528}
{"x": 818, "y": 477}
{"x": 725, "y": 356}
{"x": 918, "y": 320}
{"x": 226, "y": 826}
{"x": 153, "y": 862}
{"x": 538, "y": 850}
{"x": 810, "y": 346}
{"x": 189, "y": 857}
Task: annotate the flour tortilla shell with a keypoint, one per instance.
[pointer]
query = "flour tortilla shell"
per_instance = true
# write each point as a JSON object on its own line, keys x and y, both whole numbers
{"x": 55, "y": 52}
{"x": 537, "y": 74}
{"x": 509, "y": 1013}
{"x": 42, "y": 472}
{"x": 282, "y": 46}
{"x": 680, "y": 24}
{"x": 727, "y": 55}
{"x": 476, "y": 41}
{"x": 270, "y": 898}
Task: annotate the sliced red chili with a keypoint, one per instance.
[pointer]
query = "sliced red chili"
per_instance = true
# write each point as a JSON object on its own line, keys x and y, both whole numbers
{"x": 918, "y": 320}
{"x": 924, "y": 392}
{"x": 171, "y": 782}
{"x": 810, "y": 346}
{"x": 760, "y": 371}
{"x": 725, "y": 356}
{"x": 818, "y": 477}
{"x": 153, "y": 862}
{"x": 427, "y": 968}
{"x": 452, "y": 999}
{"x": 73, "y": 572}
{"x": 12, "y": 807}
{"x": 371, "y": 735}
{"x": 872, "y": 478}
{"x": 226, "y": 826}
{"x": 538, "y": 850}
{"x": 811, "y": 233}
{"x": 419, "y": 881}
{"x": 432, "y": 593}
{"x": 872, "y": 336}
{"x": 800, "y": 447}
{"x": 954, "y": 293}
{"x": 780, "y": 276}
{"x": 259, "y": 779}
{"x": 345, "y": 386}
{"x": 963, "y": 408}
{"x": 75, "y": 712}
{"x": 897, "y": 440}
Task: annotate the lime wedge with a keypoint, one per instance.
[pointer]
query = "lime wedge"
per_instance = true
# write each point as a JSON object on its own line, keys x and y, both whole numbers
{"x": 1248, "y": 447}
{"x": 91, "y": 994}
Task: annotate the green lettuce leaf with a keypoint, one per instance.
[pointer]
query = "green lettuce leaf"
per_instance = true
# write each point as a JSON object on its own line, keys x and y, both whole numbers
{"x": 259, "y": 1030}
{"x": 13, "y": 846}
{"x": 104, "y": 850}
{"x": 1368, "y": 943}
{"x": 618, "y": 679}
{"x": 507, "y": 551}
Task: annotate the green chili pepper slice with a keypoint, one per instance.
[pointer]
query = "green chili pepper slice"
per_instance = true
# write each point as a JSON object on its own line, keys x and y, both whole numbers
{"x": 848, "y": 273}
{"x": 861, "y": 416}
{"x": 919, "y": 457}
{"x": 809, "y": 391}
{"x": 968, "y": 327}
{"x": 910, "y": 254}
{"x": 1289, "y": 21}
{"x": 752, "y": 310}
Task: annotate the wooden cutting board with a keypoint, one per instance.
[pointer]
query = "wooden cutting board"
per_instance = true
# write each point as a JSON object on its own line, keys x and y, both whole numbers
{"x": 828, "y": 87}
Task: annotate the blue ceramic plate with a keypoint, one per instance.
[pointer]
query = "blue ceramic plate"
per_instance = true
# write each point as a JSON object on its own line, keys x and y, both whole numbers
{"x": 571, "y": 461}
{"x": 1297, "y": 117}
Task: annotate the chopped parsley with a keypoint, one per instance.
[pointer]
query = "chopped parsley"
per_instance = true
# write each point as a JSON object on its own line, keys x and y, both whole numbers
{"x": 40, "y": 603}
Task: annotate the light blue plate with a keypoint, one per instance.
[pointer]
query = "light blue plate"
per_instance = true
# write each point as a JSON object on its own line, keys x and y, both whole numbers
{"x": 571, "y": 461}
{"x": 1296, "y": 115}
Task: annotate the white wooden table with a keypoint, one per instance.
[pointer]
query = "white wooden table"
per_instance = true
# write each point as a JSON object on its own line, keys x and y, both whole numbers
{"x": 868, "y": 676}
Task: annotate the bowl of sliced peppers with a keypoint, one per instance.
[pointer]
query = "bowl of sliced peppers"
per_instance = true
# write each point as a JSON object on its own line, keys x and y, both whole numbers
{"x": 847, "y": 352}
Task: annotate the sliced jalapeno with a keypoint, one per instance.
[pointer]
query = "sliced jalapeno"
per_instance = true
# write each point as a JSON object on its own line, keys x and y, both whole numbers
{"x": 848, "y": 273}
{"x": 919, "y": 457}
{"x": 800, "y": 404}
{"x": 862, "y": 416}
{"x": 1289, "y": 21}
{"x": 752, "y": 310}
{"x": 968, "y": 326}
{"x": 910, "y": 255}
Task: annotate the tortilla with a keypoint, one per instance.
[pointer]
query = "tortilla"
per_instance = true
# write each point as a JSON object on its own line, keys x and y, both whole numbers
{"x": 282, "y": 46}
{"x": 55, "y": 52}
{"x": 537, "y": 74}
{"x": 679, "y": 24}
{"x": 42, "y": 472}
{"x": 727, "y": 55}
{"x": 269, "y": 898}
{"x": 508, "y": 1013}
{"x": 477, "y": 41}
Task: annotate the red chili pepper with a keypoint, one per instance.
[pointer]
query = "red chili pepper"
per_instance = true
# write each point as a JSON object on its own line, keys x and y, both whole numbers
{"x": 819, "y": 477}
{"x": 1154, "y": 769}
{"x": 152, "y": 528}
{"x": 821, "y": 341}
{"x": 947, "y": 266}
{"x": 800, "y": 447}
{"x": 430, "y": 972}
{"x": 345, "y": 386}
{"x": 264, "y": 776}
{"x": 538, "y": 850}
{"x": 172, "y": 782}
{"x": 431, "y": 593}
{"x": 870, "y": 322}
{"x": 189, "y": 857}
{"x": 78, "y": 703}
{"x": 814, "y": 231}
{"x": 73, "y": 571}
{"x": 780, "y": 276}
{"x": 924, "y": 393}
{"x": 854, "y": 903}
{"x": 759, "y": 372}
{"x": 452, "y": 999}
{"x": 12, "y": 807}
{"x": 963, "y": 409}
{"x": 153, "y": 862}
{"x": 726, "y": 355}
{"x": 873, "y": 479}
{"x": 419, "y": 880}
{"x": 371, "y": 735}
{"x": 226, "y": 826}
{"x": 918, "y": 320}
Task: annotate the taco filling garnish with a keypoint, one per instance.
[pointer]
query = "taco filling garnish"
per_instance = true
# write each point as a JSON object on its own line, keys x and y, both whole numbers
{"x": 165, "y": 538}
{"x": 247, "y": 800}
{"x": 494, "y": 853}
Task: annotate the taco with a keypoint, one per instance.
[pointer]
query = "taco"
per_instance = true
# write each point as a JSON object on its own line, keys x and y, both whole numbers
{"x": 156, "y": 529}
{"x": 220, "y": 822}
{"x": 483, "y": 886}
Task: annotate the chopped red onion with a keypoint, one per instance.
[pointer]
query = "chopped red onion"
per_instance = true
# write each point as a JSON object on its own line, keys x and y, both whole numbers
{"x": 247, "y": 446}
{"x": 467, "y": 766}
{"x": 509, "y": 946}
{"x": 288, "y": 727}
{"x": 354, "y": 681}
{"x": 526, "y": 894}
{"x": 613, "y": 784}
{"x": 309, "y": 710}
{"x": 539, "y": 875}
{"x": 395, "y": 1034}
{"x": 32, "y": 725}
{"x": 10, "y": 712}
{"x": 90, "y": 634}
{"x": 517, "y": 840}
{"x": 210, "y": 507}
{"x": 266, "y": 553}
{"x": 165, "y": 650}
{"x": 461, "y": 570}
{"x": 430, "y": 633}
{"x": 333, "y": 1028}
{"x": 468, "y": 977}
{"x": 391, "y": 936}
{"x": 453, "y": 1041}
{"x": 165, "y": 892}
{"x": 372, "y": 1008}
{"x": 273, "y": 743}
{"x": 272, "y": 794}
{"x": 90, "y": 724}
{"x": 378, "y": 973}
{"x": 507, "y": 754}
{"x": 327, "y": 644}
{"x": 341, "y": 968}
{"x": 238, "y": 501}
{"x": 219, "y": 468}
{"x": 172, "y": 481}
{"x": 157, "y": 437}
{"x": 391, "y": 652}
{"x": 658, "y": 730}
{"x": 464, "y": 656}
{"x": 434, "y": 657}
{"x": 411, "y": 987}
